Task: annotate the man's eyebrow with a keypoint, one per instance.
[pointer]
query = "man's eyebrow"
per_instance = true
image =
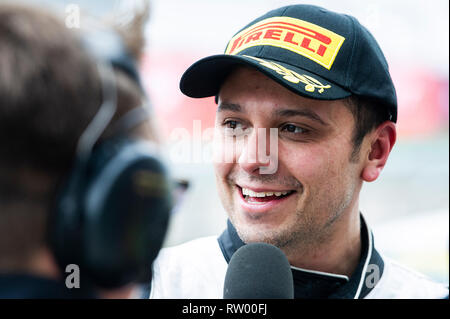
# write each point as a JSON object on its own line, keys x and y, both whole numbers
{"x": 229, "y": 107}
{"x": 306, "y": 113}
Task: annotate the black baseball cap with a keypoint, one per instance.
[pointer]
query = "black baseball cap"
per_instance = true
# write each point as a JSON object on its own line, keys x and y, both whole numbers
{"x": 310, "y": 50}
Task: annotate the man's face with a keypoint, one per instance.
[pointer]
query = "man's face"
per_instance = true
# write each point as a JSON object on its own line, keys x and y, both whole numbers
{"x": 314, "y": 167}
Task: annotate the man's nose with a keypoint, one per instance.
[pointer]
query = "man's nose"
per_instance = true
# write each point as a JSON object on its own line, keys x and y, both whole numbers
{"x": 256, "y": 152}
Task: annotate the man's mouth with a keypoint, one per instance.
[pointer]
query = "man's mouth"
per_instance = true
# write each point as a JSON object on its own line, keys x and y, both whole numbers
{"x": 255, "y": 197}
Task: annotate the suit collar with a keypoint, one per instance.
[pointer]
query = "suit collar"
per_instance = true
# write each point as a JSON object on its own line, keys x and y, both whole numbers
{"x": 317, "y": 285}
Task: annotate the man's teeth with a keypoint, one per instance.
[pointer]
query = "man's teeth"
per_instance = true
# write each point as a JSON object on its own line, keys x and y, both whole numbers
{"x": 248, "y": 192}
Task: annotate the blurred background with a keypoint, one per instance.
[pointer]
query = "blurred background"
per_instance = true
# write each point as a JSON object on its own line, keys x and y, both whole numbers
{"x": 407, "y": 208}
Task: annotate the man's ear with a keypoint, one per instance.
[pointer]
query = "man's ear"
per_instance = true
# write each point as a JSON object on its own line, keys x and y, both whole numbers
{"x": 382, "y": 141}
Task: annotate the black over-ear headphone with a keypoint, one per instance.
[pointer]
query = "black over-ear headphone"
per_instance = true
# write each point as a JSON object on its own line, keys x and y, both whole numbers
{"x": 111, "y": 215}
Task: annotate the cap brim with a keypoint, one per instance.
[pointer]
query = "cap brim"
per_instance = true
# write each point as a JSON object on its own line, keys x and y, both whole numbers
{"x": 205, "y": 77}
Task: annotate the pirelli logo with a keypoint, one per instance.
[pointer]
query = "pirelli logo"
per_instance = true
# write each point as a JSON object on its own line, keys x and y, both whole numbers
{"x": 304, "y": 38}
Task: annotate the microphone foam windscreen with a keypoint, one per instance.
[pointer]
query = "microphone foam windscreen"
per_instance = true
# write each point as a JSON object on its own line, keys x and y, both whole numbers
{"x": 258, "y": 271}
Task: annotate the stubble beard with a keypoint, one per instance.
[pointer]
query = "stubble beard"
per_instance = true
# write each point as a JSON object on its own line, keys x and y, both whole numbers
{"x": 305, "y": 234}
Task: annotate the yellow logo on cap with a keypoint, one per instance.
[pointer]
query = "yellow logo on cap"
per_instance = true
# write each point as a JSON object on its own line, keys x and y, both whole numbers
{"x": 304, "y": 38}
{"x": 311, "y": 83}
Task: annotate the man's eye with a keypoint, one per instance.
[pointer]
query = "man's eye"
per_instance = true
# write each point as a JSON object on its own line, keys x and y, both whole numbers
{"x": 235, "y": 128}
{"x": 291, "y": 128}
{"x": 232, "y": 124}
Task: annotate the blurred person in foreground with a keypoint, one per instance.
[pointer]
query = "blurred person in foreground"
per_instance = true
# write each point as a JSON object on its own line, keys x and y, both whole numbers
{"x": 320, "y": 80}
{"x": 53, "y": 85}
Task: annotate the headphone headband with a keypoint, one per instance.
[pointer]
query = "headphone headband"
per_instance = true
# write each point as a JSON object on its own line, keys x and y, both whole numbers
{"x": 131, "y": 119}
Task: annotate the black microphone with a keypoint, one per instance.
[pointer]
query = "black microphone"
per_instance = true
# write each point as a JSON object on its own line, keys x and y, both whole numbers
{"x": 258, "y": 271}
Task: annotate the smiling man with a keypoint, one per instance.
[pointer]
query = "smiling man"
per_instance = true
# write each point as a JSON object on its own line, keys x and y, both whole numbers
{"x": 321, "y": 81}
{"x": 310, "y": 203}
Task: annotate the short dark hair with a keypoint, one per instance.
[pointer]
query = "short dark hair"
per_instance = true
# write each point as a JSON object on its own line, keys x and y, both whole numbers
{"x": 368, "y": 115}
{"x": 49, "y": 89}
{"x": 49, "y": 92}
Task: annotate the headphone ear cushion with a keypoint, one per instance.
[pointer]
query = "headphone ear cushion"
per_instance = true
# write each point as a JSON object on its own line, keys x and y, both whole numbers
{"x": 127, "y": 208}
{"x": 124, "y": 211}
{"x": 64, "y": 226}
